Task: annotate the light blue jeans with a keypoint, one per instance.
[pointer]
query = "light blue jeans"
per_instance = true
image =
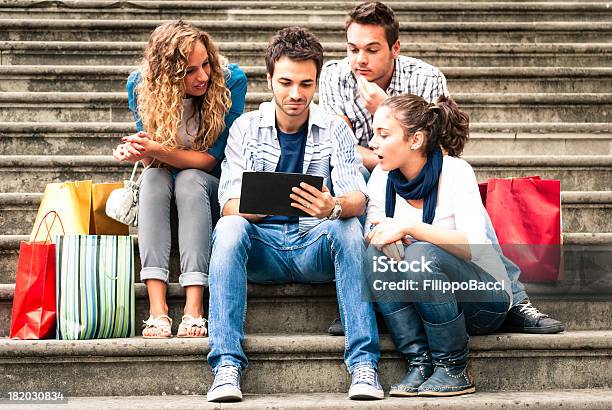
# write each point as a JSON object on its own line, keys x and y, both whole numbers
{"x": 279, "y": 253}
{"x": 513, "y": 271}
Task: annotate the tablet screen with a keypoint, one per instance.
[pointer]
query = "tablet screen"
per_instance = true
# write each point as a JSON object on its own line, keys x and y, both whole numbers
{"x": 267, "y": 193}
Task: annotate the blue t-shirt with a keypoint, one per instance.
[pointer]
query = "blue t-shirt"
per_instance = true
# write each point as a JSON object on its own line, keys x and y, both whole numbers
{"x": 291, "y": 160}
{"x": 236, "y": 82}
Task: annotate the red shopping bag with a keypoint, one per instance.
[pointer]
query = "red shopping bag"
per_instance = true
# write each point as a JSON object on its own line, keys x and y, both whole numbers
{"x": 33, "y": 315}
{"x": 526, "y": 216}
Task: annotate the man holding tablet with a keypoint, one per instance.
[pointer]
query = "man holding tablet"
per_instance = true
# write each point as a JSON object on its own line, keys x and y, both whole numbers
{"x": 291, "y": 135}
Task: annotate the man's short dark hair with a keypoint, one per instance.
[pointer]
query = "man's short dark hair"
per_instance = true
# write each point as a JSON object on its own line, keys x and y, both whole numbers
{"x": 376, "y": 14}
{"x": 297, "y": 44}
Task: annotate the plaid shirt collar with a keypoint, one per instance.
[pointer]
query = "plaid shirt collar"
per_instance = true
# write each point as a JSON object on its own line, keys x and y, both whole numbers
{"x": 397, "y": 81}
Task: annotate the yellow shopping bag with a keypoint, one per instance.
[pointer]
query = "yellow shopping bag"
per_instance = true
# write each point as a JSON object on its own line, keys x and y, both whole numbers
{"x": 80, "y": 205}
{"x": 100, "y": 224}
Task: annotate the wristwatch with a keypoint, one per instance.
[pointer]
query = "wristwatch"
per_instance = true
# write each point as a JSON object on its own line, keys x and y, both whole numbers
{"x": 336, "y": 212}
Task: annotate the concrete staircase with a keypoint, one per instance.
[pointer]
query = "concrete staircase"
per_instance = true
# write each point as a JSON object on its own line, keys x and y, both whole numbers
{"x": 536, "y": 80}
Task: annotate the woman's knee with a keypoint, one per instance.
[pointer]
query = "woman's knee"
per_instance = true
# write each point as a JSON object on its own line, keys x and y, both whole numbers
{"x": 424, "y": 256}
{"x": 191, "y": 185}
{"x": 156, "y": 185}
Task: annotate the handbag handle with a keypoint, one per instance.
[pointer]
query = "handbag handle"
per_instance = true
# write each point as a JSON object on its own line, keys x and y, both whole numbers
{"x": 44, "y": 219}
{"x": 143, "y": 171}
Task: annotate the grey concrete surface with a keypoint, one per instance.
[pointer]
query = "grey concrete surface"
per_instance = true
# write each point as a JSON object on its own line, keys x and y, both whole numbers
{"x": 520, "y": 138}
{"x": 138, "y": 30}
{"x": 304, "y": 363}
{"x": 457, "y": 54}
{"x": 588, "y": 399}
{"x": 90, "y": 78}
{"x": 582, "y": 211}
{"x": 311, "y": 10}
{"x": 589, "y": 173}
{"x": 482, "y": 107}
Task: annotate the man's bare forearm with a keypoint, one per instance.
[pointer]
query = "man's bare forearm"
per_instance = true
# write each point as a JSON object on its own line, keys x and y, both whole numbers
{"x": 353, "y": 204}
{"x": 232, "y": 207}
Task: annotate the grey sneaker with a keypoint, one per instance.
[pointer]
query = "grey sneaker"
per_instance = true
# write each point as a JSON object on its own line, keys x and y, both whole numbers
{"x": 226, "y": 386}
{"x": 365, "y": 384}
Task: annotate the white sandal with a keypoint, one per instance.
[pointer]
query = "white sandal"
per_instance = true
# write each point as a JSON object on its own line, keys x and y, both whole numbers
{"x": 161, "y": 325}
{"x": 188, "y": 322}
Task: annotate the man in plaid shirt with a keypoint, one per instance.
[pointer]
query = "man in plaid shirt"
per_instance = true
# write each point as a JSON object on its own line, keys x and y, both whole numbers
{"x": 354, "y": 87}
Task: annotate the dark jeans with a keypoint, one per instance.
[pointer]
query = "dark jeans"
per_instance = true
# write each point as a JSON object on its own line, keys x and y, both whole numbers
{"x": 483, "y": 314}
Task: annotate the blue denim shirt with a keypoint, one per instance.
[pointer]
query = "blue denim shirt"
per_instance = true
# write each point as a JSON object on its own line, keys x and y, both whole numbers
{"x": 236, "y": 82}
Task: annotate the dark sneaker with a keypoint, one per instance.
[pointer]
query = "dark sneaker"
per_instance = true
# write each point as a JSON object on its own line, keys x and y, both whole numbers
{"x": 335, "y": 329}
{"x": 448, "y": 381}
{"x": 226, "y": 386}
{"x": 526, "y": 318}
{"x": 416, "y": 375}
{"x": 365, "y": 384}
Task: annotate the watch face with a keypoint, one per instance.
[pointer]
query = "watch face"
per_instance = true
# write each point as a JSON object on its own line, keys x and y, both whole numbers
{"x": 336, "y": 212}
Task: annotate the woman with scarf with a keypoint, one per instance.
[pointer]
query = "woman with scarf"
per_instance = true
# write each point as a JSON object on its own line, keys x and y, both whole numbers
{"x": 430, "y": 267}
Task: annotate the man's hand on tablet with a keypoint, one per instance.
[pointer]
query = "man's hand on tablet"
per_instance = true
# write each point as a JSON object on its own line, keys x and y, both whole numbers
{"x": 309, "y": 199}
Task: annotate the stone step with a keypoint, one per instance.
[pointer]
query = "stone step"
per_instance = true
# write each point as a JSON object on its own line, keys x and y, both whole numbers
{"x": 582, "y": 211}
{"x": 587, "y": 269}
{"x": 577, "y": 173}
{"x": 250, "y": 54}
{"x": 55, "y": 138}
{"x": 305, "y": 364}
{"x": 282, "y": 309}
{"x": 482, "y": 107}
{"x": 254, "y": 30}
{"x": 310, "y": 11}
{"x": 47, "y": 78}
{"x": 583, "y": 399}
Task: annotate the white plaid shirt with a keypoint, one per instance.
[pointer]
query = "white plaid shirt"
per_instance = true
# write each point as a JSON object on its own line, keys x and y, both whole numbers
{"x": 253, "y": 145}
{"x": 338, "y": 90}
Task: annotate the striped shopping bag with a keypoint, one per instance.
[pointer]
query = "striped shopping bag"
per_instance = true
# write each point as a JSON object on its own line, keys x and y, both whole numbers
{"x": 94, "y": 286}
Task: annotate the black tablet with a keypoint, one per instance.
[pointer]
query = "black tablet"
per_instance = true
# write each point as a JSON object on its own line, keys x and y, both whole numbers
{"x": 267, "y": 193}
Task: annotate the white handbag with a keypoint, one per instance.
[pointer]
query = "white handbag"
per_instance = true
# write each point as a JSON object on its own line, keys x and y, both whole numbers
{"x": 122, "y": 203}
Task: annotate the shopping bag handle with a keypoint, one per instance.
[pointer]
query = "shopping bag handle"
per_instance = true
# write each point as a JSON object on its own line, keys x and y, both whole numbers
{"x": 532, "y": 179}
{"x": 44, "y": 219}
{"x": 103, "y": 266}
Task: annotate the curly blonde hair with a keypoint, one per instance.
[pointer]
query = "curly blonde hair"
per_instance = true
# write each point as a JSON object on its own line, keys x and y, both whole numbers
{"x": 162, "y": 89}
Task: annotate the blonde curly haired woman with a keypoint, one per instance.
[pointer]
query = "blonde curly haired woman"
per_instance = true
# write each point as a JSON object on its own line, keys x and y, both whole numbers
{"x": 184, "y": 98}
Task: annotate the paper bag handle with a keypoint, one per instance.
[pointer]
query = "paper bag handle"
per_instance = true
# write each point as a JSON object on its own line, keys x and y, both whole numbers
{"x": 44, "y": 219}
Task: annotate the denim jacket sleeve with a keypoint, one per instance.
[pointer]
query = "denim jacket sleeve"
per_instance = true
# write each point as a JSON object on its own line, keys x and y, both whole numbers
{"x": 132, "y": 81}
